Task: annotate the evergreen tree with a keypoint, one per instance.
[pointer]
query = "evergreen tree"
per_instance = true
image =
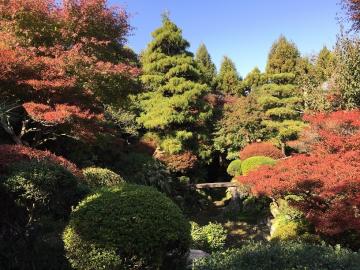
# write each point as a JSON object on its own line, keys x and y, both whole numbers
{"x": 228, "y": 80}
{"x": 173, "y": 105}
{"x": 283, "y": 57}
{"x": 282, "y": 103}
{"x": 324, "y": 64}
{"x": 206, "y": 66}
{"x": 252, "y": 80}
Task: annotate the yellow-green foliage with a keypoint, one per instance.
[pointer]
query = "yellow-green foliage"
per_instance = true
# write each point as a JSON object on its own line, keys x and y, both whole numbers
{"x": 126, "y": 227}
{"x": 288, "y": 223}
{"x": 234, "y": 168}
{"x": 211, "y": 237}
{"x": 173, "y": 104}
{"x": 253, "y": 163}
{"x": 100, "y": 177}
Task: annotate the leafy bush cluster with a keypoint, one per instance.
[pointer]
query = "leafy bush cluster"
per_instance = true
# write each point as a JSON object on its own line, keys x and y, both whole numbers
{"x": 100, "y": 177}
{"x": 209, "y": 238}
{"x": 261, "y": 149}
{"x": 127, "y": 227}
{"x": 281, "y": 256}
{"x": 289, "y": 223}
{"x": 36, "y": 196}
{"x": 253, "y": 163}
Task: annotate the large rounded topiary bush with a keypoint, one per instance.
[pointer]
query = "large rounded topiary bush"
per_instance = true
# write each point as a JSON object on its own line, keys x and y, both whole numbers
{"x": 253, "y": 163}
{"x": 100, "y": 177}
{"x": 127, "y": 227}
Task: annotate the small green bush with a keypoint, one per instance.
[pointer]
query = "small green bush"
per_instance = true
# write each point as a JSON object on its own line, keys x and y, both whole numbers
{"x": 210, "y": 238}
{"x": 281, "y": 256}
{"x": 253, "y": 163}
{"x": 234, "y": 168}
{"x": 127, "y": 227}
{"x": 143, "y": 169}
{"x": 289, "y": 223}
{"x": 99, "y": 177}
{"x": 43, "y": 188}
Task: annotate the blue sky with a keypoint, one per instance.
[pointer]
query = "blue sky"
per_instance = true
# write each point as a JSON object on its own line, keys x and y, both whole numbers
{"x": 241, "y": 29}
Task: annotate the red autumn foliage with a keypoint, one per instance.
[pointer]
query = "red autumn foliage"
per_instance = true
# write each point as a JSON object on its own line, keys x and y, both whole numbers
{"x": 63, "y": 60}
{"x": 261, "y": 149}
{"x": 178, "y": 162}
{"x": 59, "y": 114}
{"x": 327, "y": 178}
{"x": 16, "y": 153}
{"x": 353, "y": 11}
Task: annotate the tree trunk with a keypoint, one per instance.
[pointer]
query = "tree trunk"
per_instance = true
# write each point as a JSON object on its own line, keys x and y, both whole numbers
{"x": 10, "y": 131}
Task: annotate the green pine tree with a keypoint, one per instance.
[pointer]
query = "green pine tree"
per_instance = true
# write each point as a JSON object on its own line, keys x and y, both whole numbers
{"x": 228, "y": 80}
{"x": 252, "y": 80}
{"x": 283, "y": 57}
{"x": 324, "y": 64}
{"x": 173, "y": 105}
{"x": 282, "y": 103}
{"x": 206, "y": 66}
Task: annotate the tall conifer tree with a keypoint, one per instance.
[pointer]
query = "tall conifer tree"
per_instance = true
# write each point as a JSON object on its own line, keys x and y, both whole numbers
{"x": 283, "y": 57}
{"x": 228, "y": 81}
{"x": 206, "y": 66}
{"x": 173, "y": 105}
{"x": 282, "y": 103}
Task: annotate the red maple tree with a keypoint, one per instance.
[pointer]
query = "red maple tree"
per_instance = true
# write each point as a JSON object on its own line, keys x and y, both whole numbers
{"x": 63, "y": 62}
{"x": 327, "y": 178}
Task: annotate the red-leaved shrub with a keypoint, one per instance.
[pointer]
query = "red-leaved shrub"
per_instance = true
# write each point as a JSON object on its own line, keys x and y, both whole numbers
{"x": 327, "y": 179}
{"x": 10, "y": 154}
{"x": 261, "y": 149}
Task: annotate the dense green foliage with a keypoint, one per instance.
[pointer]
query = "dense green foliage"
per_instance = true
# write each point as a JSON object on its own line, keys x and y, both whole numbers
{"x": 36, "y": 198}
{"x": 142, "y": 229}
{"x": 289, "y": 223}
{"x": 100, "y": 177}
{"x": 210, "y": 238}
{"x": 253, "y": 163}
{"x": 172, "y": 105}
{"x": 348, "y": 78}
{"x": 234, "y": 168}
{"x": 42, "y": 188}
{"x": 206, "y": 66}
{"x": 228, "y": 80}
{"x": 281, "y": 256}
{"x": 241, "y": 123}
{"x": 282, "y": 104}
{"x": 283, "y": 57}
{"x": 143, "y": 169}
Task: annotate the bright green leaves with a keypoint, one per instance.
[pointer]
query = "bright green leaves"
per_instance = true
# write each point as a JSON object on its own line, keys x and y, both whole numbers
{"x": 173, "y": 104}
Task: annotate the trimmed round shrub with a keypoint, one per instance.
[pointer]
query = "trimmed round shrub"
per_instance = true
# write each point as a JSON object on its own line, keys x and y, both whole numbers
{"x": 253, "y": 163}
{"x": 265, "y": 149}
{"x": 100, "y": 177}
{"x": 234, "y": 168}
{"x": 127, "y": 227}
{"x": 43, "y": 188}
{"x": 211, "y": 237}
{"x": 281, "y": 256}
